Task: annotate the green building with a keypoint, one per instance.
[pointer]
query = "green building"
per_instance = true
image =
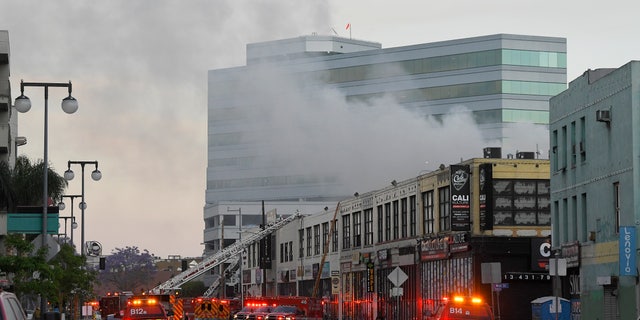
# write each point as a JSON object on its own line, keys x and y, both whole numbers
{"x": 595, "y": 182}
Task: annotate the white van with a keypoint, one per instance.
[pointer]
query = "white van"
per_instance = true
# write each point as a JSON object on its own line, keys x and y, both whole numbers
{"x": 10, "y": 307}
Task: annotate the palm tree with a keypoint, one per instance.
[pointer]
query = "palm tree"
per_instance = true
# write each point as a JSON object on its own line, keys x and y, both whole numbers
{"x": 22, "y": 184}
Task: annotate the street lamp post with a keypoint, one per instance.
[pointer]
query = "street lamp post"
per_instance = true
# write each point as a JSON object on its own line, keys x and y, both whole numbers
{"x": 73, "y": 220}
{"x": 239, "y": 210}
{"x": 23, "y": 104}
{"x": 95, "y": 175}
{"x": 62, "y": 206}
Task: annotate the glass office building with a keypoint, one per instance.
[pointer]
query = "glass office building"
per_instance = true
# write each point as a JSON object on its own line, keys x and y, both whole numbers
{"x": 503, "y": 81}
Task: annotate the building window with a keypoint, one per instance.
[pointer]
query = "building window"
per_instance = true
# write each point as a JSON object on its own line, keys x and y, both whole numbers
{"x": 254, "y": 253}
{"x": 308, "y": 241}
{"x": 403, "y": 218}
{"x": 581, "y": 145}
{"x": 290, "y": 250}
{"x": 555, "y": 227}
{"x": 387, "y": 221}
{"x": 229, "y": 220}
{"x": 573, "y": 222}
{"x": 429, "y": 219}
{"x": 368, "y": 227}
{"x": 357, "y": 224}
{"x": 346, "y": 232}
{"x": 396, "y": 222}
{"x": 444, "y": 209}
{"x": 616, "y": 204}
{"x": 249, "y": 250}
{"x": 316, "y": 239}
{"x": 563, "y": 148}
{"x": 564, "y": 221}
{"x": 412, "y": 216}
{"x": 301, "y": 243}
{"x": 334, "y": 236}
{"x": 583, "y": 218}
{"x": 282, "y": 252}
{"x": 380, "y": 223}
{"x": 574, "y": 147}
{"x": 521, "y": 202}
{"x": 325, "y": 236}
{"x": 554, "y": 151}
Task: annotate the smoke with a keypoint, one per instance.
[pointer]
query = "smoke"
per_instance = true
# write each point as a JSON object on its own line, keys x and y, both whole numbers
{"x": 139, "y": 73}
{"x": 312, "y": 129}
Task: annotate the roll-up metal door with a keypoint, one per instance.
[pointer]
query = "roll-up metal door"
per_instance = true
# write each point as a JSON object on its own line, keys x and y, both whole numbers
{"x": 610, "y": 298}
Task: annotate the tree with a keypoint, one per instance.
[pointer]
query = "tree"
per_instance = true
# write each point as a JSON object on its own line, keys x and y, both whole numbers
{"x": 28, "y": 270}
{"x": 70, "y": 277}
{"x": 129, "y": 269}
{"x": 22, "y": 184}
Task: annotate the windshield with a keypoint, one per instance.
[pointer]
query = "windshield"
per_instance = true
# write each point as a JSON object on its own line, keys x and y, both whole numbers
{"x": 285, "y": 309}
{"x": 264, "y": 309}
{"x": 247, "y": 309}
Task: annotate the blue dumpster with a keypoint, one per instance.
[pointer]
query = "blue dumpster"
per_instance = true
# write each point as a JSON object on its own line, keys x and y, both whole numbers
{"x": 544, "y": 308}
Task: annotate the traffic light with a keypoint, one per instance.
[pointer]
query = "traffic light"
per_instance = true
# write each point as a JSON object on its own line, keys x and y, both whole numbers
{"x": 103, "y": 263}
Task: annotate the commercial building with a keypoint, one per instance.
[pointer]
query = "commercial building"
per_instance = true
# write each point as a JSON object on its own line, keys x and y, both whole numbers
{"x": 8, "y": 121}
{"x": 503, "y": 80}
{"x": 435, "y": 233}
{"x": 595, "y": 183}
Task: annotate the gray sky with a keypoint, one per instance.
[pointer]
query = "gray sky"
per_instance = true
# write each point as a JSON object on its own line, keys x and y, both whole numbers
{"x": 139, "y": 72}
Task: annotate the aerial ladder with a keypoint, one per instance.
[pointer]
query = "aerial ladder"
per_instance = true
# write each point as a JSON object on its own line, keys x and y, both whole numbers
{"x": 221, "y": 256}
{"x": 232, "y": 268}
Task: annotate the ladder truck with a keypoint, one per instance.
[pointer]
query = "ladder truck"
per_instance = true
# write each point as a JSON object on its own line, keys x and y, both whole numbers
{"x": 230, "y": 252}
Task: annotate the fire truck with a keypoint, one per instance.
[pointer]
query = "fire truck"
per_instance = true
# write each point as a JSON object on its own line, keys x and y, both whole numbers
{"x": 461, "y": 308}
{"x": 213, "y": 308}
{"x": 289, "y": 307}
{"x": 113, "y": 303}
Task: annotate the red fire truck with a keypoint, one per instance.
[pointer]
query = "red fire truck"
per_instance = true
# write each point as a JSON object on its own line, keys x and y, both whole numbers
{"x": 461, "y": 308}
{"x": 113, "y": 303}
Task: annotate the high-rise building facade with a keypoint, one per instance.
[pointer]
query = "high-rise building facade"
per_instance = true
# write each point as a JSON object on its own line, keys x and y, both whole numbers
{"x": 501, "y": 80}
{"x": 8, "y": 121}
{"x": 595, "y": 160}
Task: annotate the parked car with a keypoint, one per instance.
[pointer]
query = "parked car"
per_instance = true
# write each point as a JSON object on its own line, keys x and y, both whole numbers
{"x": 260, "y": 313}
{"x": 10, "y": 307}
{"x": 285, "y": 312}
{"x": 244, "y": 313}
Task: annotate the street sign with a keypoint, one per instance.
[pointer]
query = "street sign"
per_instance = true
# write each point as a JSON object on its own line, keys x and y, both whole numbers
{"x": 500, "y": 286}
{"x": 53, "y": 247}
{"x": 557, "y": 267}
{"x": 396, "y": 292}
{"x": 397, "y": 277}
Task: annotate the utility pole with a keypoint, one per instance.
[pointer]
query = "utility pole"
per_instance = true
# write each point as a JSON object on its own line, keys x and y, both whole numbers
{"x": 264, "y": 254}
{"x": 223, "y": 282}
{"x": 239, "y": 210}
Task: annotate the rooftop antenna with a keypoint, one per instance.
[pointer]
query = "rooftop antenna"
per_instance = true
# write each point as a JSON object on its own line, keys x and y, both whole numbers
{"x": 334, "y": 31}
